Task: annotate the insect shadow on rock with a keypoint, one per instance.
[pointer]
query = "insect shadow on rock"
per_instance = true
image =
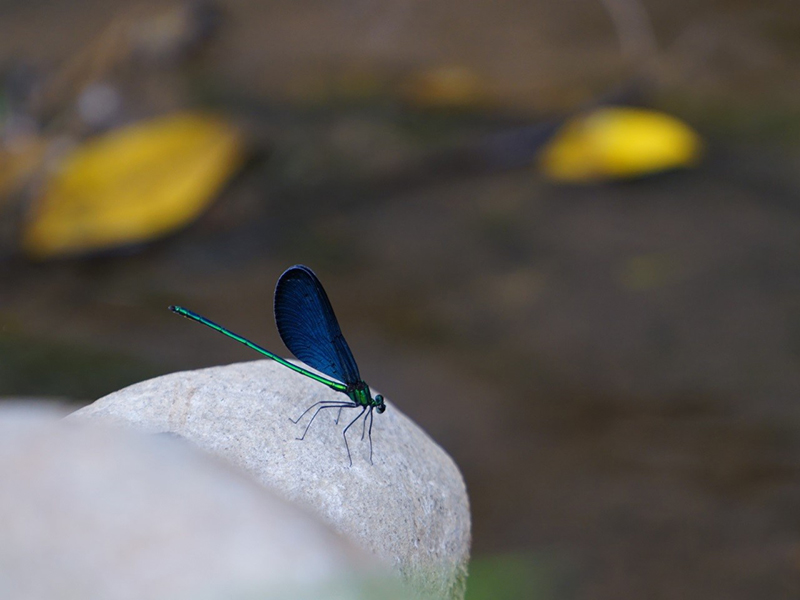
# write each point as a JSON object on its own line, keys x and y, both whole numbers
{"x": 309, "y": 328}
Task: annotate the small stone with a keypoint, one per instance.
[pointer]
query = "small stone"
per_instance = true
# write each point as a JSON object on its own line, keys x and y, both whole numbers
{"x": 409, "y": 508}
{"x": 100, "y": 513}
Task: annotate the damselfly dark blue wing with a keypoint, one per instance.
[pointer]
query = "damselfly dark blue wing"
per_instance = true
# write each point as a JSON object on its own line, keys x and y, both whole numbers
{"x": 309, "y": 328}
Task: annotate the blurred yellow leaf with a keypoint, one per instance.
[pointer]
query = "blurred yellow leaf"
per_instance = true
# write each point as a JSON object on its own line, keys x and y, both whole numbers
{"x": 619, "y": 143}
{"x": 133, "y": 185}
{"x": 446, "y": 87}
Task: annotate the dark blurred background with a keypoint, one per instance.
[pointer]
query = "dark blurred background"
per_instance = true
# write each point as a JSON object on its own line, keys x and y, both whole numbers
{"x": 614, "y": 365}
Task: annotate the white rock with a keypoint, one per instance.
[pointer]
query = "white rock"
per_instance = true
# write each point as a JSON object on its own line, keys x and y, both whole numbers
{"x": 88, "y": 512}
{"x": 409, "y": 508}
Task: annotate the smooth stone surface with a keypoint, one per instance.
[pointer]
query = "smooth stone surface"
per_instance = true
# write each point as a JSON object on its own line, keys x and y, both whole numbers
{"x": 90, "y": 512}
{"x": 409, "y": 508}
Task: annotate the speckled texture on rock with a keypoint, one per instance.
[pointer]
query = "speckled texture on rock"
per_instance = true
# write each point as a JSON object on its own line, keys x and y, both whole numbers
{"x": 410, "y": 508}
{"x": 98, "y": 513}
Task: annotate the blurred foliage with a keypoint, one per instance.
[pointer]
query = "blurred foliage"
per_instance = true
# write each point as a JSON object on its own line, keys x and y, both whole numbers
{"x": 511, "y": 577}
{"x": 30, "y": 366}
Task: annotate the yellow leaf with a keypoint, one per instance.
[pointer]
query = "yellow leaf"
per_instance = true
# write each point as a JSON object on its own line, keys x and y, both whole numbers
{"x": 618, "y": 143}
{"x": 446, "y": 87}
{"x": 133, "y": 185}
